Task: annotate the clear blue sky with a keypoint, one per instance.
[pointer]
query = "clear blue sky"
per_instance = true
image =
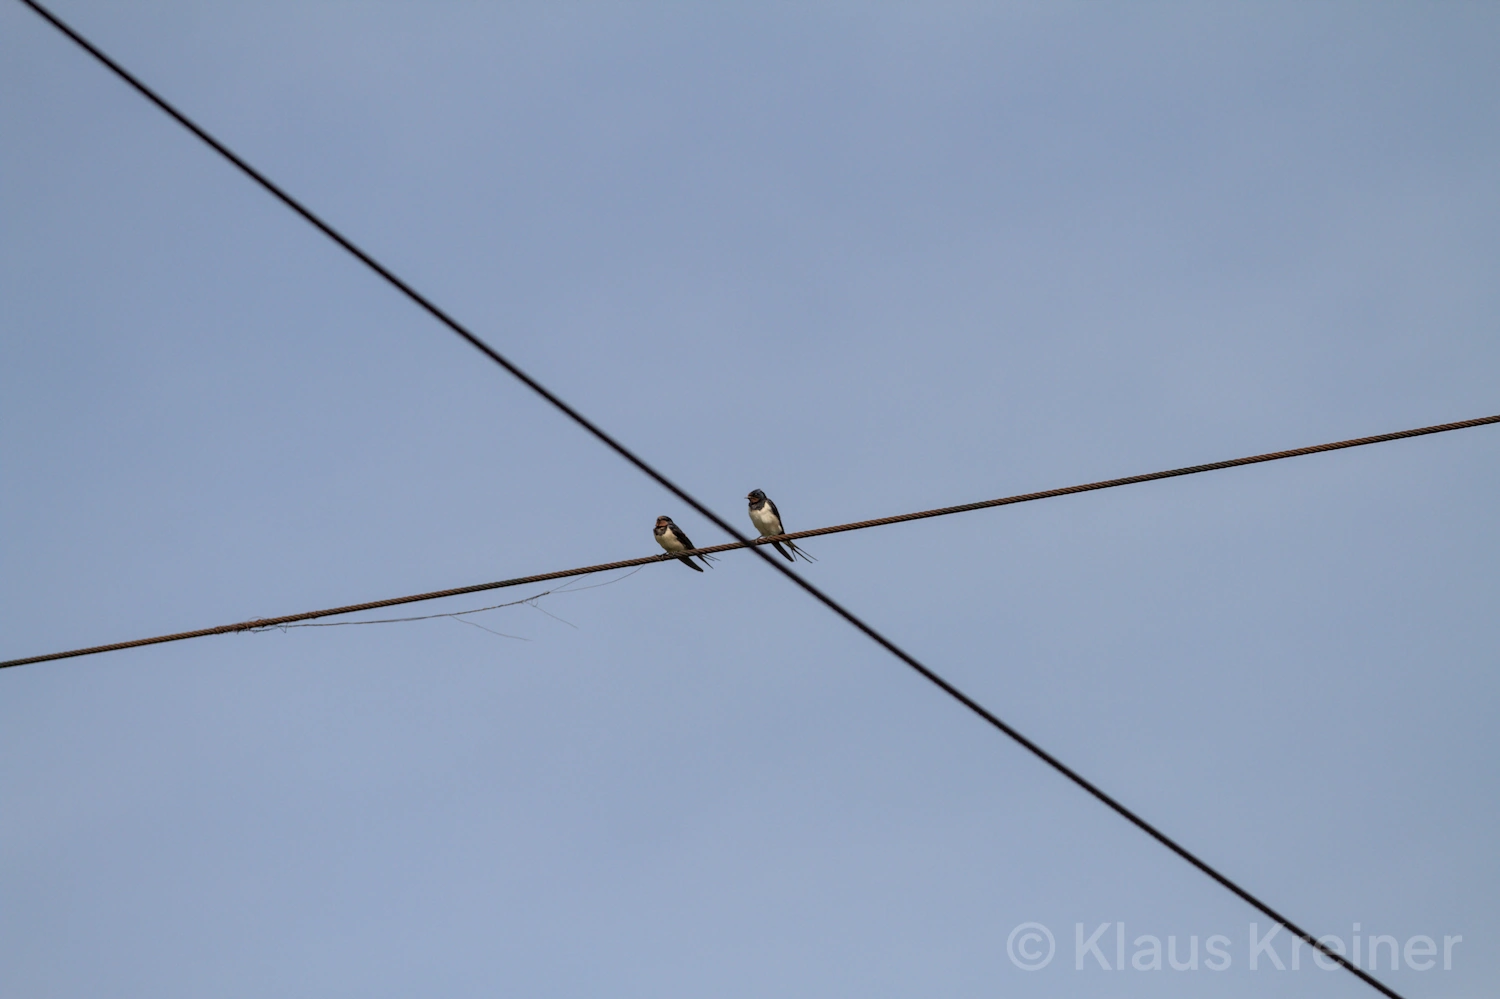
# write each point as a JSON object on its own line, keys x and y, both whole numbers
{"x": 869, "y": 259}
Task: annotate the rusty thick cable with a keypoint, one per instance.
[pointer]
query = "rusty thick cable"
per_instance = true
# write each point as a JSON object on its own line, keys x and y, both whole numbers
{"x": 1130, "y": 480}
{"x": 857, "y": 525}
{"x": 683, "y": 495}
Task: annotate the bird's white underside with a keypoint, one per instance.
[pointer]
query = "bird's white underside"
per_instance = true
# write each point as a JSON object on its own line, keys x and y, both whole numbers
{"x": 765, "y": 521}
{"x": 668, "y": 540}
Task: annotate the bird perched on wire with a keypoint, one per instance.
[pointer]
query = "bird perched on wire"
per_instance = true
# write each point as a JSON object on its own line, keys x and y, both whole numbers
{"x": 670, "y": 537}
{"x": 767, "y": 521}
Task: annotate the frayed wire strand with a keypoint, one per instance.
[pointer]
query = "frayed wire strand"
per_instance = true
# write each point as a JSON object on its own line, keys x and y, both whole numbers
{"x": 531, "y": 600}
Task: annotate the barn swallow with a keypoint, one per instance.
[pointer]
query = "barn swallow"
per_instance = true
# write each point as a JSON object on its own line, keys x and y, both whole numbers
{"x": 767, "y": 520}
{"x": 670, "y": 537}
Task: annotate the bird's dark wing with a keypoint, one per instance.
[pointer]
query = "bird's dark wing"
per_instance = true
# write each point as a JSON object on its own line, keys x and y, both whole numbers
{"x": 687, "y": 543}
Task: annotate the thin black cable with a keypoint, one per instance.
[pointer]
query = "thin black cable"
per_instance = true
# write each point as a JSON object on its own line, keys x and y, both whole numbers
{"x": 683, "y": 495}
{"x": 265, "y": 623}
